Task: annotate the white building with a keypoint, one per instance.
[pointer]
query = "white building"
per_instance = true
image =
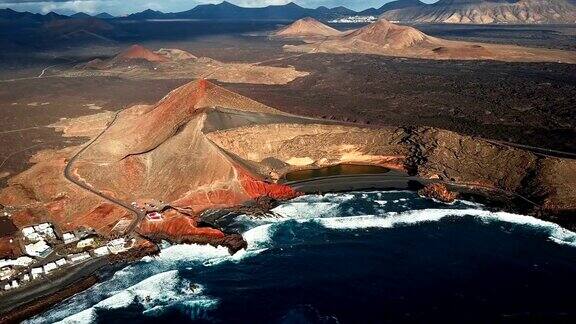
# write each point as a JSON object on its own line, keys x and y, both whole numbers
{"x": 7, "y": 287}
{"x": 39, "y": 232}
{"x": 33, "y": 236}
{"x": 69, "y": 237}
{"x": 85, "y": 243}
{"x": 6, "y": 273}
{"x": 28, "y": 230}
{"x": 61, "y": 262}
{"x": 74, "y": 258}
{"x": 20, "y": 262}
{"x": 46, "y": 230}
{"x": 50, "y": 267}
{"x": 15, "y": 284}
{"x": 36, "y": 272}
{"x": 38, "y": 249}
{"x": 102, "y": 251}
{"x": 120, "y": 245}
{"x": 25, "y": 278}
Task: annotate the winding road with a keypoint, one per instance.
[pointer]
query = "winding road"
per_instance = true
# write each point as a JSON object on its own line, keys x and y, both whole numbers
{"x": 536, "y": 150}
{"x": 68, "y": 175}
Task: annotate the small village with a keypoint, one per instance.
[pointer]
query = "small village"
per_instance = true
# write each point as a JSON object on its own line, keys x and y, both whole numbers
{"x": 354, "y": 20}
{"x": 49, "y": 252}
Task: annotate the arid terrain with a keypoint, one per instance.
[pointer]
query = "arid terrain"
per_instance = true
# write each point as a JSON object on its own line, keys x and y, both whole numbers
{"x": 224, "y": 135}
{"x": 487, "y": 12}
{"x": 385, "y": 38}
{"x": 129, "y": 145}
{"x": 473, "y": 98}
{"x": 138, "y": 62}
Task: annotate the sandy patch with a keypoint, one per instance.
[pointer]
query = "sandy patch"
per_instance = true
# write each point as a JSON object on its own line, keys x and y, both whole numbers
{"x": 92, "y": 106}
{"x": 87, "y": 126}
{"x": 300, "y": 161}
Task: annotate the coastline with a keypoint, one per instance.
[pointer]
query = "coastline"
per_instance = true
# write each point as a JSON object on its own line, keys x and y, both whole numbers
{"x": 35, "y": 300}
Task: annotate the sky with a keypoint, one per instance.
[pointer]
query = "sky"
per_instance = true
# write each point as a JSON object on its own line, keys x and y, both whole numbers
{"x": 123, "y": 7}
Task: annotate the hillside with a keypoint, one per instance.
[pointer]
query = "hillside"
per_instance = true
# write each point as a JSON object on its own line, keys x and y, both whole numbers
{"x": 138, "y": 52}
{"x": 140, "y": 63}
{"x": 488, "y": 12}
{"x": 392, "y": 5}
{"x": 386, "y": 38}
{"x": 203, "y": 147}
{"x": 307, "y": 27}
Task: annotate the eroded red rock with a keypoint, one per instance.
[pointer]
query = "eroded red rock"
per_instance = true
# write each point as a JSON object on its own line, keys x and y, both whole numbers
{"x": 438, "y": 191}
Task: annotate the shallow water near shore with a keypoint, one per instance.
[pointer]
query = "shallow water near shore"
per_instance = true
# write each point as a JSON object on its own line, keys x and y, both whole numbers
{"x": 351, "y": 257}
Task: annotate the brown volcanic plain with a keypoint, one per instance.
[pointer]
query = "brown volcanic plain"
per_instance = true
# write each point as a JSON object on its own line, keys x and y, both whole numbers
{"x": 140, "y": 63}
{"x": 203, "y": 147}
{"x": 385, "y": 38}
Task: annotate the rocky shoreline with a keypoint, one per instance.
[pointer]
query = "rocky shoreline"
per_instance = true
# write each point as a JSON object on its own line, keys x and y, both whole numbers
{"x": 258, "y": 207}
{"x": 88, "y": 275}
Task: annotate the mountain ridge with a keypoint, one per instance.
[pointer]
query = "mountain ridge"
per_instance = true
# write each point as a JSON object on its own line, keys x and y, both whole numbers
{"x": 488, "y": 12}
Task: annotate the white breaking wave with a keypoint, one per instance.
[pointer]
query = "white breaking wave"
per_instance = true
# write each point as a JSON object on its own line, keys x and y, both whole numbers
{"x": 555, "y": 232}
{"x": 155, "y": 294}
{"x": 322, "y": 212}
{"x": 157, "y": 291}
{"x": 161, "y": 287}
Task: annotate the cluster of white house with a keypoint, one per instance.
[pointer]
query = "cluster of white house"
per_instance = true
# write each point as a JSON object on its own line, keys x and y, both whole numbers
{"x": 37, "y": 236}
{"x": 40, "y": 249}
{"x": 354, "y": 20}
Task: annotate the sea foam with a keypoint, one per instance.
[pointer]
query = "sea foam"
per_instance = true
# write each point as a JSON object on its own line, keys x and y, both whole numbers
{"x": 155, "y": 294}
{"x": 160, "y": 286}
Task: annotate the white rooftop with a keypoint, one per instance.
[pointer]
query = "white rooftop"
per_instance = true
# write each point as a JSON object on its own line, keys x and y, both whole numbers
{"x": 50, "y": 266}
{"x": 37, "y": 249}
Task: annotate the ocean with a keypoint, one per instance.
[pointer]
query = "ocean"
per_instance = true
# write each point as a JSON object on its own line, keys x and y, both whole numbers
{"x": 358, "y": 257}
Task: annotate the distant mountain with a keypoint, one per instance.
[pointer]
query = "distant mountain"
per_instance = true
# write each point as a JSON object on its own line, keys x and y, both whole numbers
{"x": 488, "y": 11}
{"x": 147, "y": 14}
{"x": 229, "y": 11}
{"x": 12, "y": 16}
{"x": 104, "y": 15}
{"x": 398, "y": 4}
{"x": 54, "y": 16}
{"x": 338, "y": 11}
{"x": 81, "y": 15}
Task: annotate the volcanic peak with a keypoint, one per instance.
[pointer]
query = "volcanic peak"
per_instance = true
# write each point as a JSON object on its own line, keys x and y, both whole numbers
{"x": 385, "y": 33}
{"x": 307, "y": 27}
{"x": 136, "y": 52}
{"x": 205, "y": 94}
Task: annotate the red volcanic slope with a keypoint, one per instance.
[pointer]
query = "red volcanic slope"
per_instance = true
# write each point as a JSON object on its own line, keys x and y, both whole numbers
{"x": 167, "y": 142}
{"x": 140, "y": 52}
{"x": 256, "y": 188}
{"x": 176, "y": 225}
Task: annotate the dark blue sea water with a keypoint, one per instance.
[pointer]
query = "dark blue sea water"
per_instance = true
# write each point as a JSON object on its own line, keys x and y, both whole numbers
{"x": 364, "y": 257}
